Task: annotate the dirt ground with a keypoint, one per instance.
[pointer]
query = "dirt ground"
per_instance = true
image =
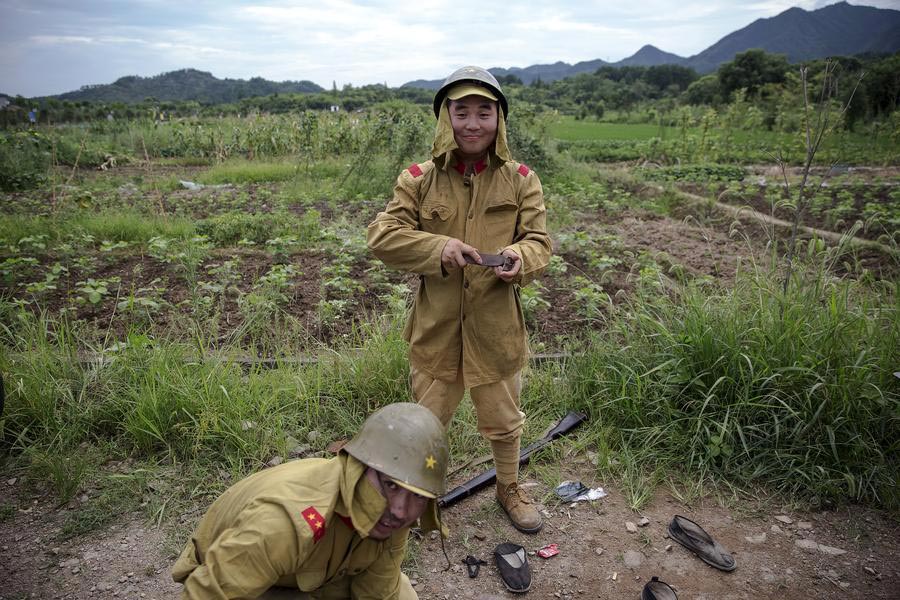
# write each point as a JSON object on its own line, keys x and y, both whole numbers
{"x": 780, "y": 553}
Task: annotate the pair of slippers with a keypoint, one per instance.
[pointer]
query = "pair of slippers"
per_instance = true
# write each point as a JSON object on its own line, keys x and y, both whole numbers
{"x": 512, "y": 560}
{"x": 512, "y": 564}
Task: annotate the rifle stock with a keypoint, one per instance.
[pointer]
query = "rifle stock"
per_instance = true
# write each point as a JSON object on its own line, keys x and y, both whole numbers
{"x": 564, "y": 426}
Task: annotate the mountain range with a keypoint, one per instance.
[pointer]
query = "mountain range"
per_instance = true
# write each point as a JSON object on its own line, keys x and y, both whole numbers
{"x": 837, "y": 30}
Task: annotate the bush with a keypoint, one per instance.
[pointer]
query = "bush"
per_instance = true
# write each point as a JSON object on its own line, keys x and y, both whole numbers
{"x": 24, "y": 160}
{"x": 229, "y": 228}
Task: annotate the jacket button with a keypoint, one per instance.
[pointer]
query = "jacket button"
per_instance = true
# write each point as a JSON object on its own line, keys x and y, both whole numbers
{"x": 471, "y": 215}
{"x": 466, "y": 284}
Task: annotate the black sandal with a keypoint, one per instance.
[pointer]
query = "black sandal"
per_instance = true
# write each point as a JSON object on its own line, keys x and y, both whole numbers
{"x": 473, "y": 565}
{"x": 694, "y": 538}
{"x": 658, "y": 590}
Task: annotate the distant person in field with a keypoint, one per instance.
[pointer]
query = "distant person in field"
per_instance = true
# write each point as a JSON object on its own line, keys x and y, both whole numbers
{"x": 320, "y": 528}
{"x": 466, "y": 329}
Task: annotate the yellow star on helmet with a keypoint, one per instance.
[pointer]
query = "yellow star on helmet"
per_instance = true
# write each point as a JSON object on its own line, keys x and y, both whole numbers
{"x": 430, "y": 462}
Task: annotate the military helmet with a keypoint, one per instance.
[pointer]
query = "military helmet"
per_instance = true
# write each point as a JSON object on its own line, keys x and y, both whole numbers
{"x": 475, "y": 76}
{"x": 407, "y": 443}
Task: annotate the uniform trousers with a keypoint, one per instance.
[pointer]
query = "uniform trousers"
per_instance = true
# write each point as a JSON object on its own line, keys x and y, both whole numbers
{"x": 500, "y": 418}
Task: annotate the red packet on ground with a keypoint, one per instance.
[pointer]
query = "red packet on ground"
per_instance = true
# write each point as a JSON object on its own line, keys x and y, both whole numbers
{"x": 548, "y": 551}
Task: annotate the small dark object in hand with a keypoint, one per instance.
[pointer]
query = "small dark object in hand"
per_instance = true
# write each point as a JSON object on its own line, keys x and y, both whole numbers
{"x": 505, "y": 263}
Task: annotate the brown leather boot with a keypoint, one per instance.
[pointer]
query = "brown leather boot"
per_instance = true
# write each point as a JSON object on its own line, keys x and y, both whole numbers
{"x": 524, "y": 516}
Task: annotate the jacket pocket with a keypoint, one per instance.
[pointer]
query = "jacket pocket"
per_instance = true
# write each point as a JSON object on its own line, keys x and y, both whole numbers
{"x": 437, "y": 216}
{"x": 437, "y": 211}
{"x": 501, "y": 204}
{"x": 500, "y": 217}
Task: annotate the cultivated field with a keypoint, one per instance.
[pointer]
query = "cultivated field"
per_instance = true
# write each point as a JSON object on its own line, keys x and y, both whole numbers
{"x": 186, "y": 302}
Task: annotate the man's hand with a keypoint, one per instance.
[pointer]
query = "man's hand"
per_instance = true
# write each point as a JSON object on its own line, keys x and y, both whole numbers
{"x": 453, "y": 256}
{"x": 510, "y": 275}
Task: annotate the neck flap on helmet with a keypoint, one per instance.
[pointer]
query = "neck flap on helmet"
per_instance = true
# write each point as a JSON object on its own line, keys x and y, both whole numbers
{"x": 444, "y": 142}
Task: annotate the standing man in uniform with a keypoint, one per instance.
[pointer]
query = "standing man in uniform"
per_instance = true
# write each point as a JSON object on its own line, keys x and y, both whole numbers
{"x": 324, "y": 529}
{"x": 466, "y": 329}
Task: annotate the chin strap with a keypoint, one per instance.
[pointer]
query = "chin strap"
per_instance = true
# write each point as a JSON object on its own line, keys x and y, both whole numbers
{"x": 441, "y": 535}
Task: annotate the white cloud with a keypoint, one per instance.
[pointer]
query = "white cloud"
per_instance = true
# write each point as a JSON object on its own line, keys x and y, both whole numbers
{"x": 558, "y": 24}
{"x": 52, "y": 43}
{"x": 774, "y": 7}
{"x": 62, "y": 39}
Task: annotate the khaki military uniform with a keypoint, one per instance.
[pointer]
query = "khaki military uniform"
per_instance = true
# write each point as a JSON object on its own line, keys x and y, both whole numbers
{"x": 302, "y": 525}
{"x": 467, "y": 317}
{"x": 466, "y": 328}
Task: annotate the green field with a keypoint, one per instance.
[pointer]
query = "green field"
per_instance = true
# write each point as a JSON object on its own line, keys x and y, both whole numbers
{"x": 213, "y": 327}
{"x": 590, "y": 140}
{"x": 571, "y": 129}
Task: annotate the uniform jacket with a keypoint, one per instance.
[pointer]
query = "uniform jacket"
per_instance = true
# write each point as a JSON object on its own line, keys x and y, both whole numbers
{"x": 302, "y": 525}
{"x": 468, "y": 313}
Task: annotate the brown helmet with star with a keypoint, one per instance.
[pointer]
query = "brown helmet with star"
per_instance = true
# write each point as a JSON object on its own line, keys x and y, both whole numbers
{"x": 407, "y": 443}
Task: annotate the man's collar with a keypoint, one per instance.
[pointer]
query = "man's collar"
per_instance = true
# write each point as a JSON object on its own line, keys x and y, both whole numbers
{"x": 480, "y": 166}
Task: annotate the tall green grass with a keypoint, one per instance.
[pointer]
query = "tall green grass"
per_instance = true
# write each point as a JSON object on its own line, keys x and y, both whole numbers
{"x": 794, "y": 392}
{"x": 161, "y": 399}
{"x": 112, "y": 225}
{"x": 749, "y": 386}
{"x": 244, "y": 171}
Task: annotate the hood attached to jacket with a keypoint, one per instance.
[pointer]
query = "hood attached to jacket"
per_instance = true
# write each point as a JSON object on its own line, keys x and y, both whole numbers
{"x": 445, "y": 142}
{"x": 365, "y": 504}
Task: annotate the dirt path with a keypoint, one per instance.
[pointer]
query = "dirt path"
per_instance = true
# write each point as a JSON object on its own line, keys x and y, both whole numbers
{"x": 598, "y": 557}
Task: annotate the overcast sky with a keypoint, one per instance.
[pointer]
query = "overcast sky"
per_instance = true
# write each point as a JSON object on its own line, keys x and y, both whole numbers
{"x": 54, "y": 46}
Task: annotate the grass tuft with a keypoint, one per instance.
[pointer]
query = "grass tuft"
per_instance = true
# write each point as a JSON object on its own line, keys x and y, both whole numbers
{"x": 242, "y": 172}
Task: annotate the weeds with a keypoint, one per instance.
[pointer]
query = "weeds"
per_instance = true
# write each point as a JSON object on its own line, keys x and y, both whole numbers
{"x": 724, "y": 385}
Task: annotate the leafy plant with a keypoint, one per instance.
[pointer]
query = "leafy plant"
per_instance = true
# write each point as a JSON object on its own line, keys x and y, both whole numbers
{"x": 590, "y": 299}
{"x": 533, "y": 301}
{"x": 95, "y": 290}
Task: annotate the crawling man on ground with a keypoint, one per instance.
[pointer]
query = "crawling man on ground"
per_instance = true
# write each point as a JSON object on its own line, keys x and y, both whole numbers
{"x": 324, "y": 528}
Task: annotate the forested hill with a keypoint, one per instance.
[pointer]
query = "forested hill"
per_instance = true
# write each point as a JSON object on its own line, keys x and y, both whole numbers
{"x": 187, "y": 84}
{"x": 837, "y": 30}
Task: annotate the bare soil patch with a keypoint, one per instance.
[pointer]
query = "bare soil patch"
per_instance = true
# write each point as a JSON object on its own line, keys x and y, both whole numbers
{"x": 131, "y": 559}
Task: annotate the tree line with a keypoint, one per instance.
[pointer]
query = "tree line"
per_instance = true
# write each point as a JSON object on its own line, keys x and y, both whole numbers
{"x": 767, "y": 80}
